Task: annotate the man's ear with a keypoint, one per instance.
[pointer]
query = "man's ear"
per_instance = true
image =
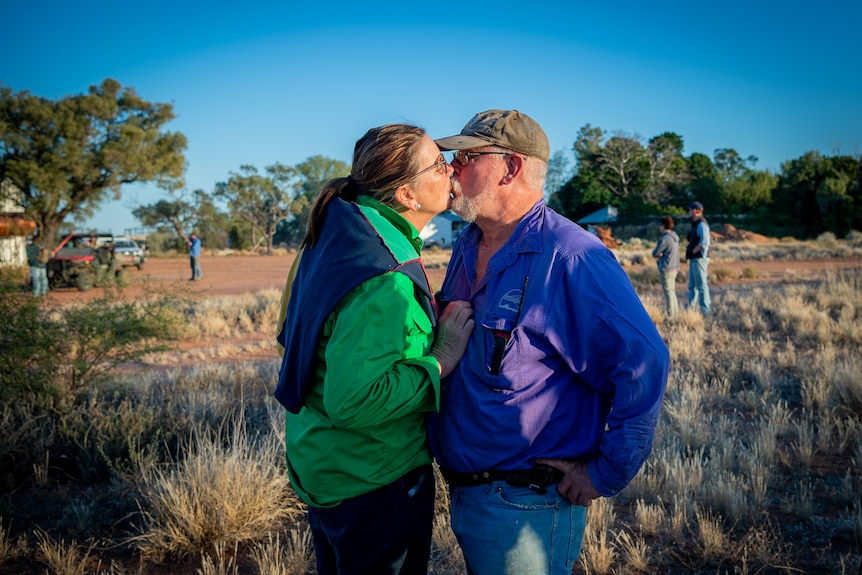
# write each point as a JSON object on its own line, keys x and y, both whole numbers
{"x": 514, "y": 166}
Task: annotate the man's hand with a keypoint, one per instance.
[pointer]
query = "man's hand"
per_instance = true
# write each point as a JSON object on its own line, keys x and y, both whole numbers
{"x": 575, "y": 485}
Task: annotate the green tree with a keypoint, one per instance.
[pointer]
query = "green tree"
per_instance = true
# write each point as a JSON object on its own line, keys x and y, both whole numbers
{"x": 816, "y": 194}
{"x": 702, "y": 184}
{"x": 559, "y": 172}
{"x": 185, "y": 212}
{"x": 309, "y": 178}
{"x": 743, "y": 189}
{"x": 261, "y": 200}
{"x": 68, "y": 156}
{"x": 176, "y": 213}
{"x": 665, "y": 168}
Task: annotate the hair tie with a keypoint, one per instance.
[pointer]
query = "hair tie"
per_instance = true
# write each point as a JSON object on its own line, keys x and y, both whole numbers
{"x": 355, "y": 187}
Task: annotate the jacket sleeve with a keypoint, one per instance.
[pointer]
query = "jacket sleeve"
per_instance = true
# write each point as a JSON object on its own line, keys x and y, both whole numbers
{"x": 660, "y": 247}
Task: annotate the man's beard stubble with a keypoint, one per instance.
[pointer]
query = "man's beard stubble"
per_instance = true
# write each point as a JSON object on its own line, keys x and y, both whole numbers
{"x": 462, "y": 205}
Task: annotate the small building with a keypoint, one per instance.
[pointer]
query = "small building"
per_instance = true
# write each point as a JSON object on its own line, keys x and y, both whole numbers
{"x": 603, "y": 216}
{"x": 14, "y": 228}
{"x": 442, "y": 230}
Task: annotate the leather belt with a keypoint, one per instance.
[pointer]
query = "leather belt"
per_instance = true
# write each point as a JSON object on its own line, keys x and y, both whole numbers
{"x": 536, "y": 478}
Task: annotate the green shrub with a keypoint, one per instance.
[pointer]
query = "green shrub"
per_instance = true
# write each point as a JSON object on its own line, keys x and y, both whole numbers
{"x": 29, "y": 342}
{"x": 55, "y": 364}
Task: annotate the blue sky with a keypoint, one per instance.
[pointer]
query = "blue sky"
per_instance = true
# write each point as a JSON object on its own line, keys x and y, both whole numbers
{"x": 264, "y": 82}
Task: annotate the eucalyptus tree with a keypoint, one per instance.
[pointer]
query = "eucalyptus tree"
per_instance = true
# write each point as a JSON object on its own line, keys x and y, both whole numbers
{"x": 67, "y": 156}
{"x": 743, "y": 188}
{"x": 279, "y": 196}
{"x": 816, "y": 193}
{"x": 185, "y": 212}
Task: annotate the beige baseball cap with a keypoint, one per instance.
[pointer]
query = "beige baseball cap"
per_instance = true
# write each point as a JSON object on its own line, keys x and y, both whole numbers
{"x": 505, "y": 128}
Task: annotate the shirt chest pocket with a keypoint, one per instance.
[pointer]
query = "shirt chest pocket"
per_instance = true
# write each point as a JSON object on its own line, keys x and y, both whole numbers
{"x": 419, "y": 329}
{"x": 501, "y": 340}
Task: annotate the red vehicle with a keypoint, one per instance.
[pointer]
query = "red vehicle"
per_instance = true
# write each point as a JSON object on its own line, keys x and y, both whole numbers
{"x": 81, "y": 260}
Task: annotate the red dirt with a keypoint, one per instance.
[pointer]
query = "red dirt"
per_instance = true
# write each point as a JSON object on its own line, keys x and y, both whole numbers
{"x": 222, "y": 275}
{"x": 248, "y": 274}
{"x": 240, "y": 274}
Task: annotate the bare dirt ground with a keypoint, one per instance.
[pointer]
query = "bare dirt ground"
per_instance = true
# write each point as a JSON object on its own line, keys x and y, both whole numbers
{"x": 240, "y": 274}
{"x": 248, "y": 274}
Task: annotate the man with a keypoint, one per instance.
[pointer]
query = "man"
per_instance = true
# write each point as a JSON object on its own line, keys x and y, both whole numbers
{"x": 38, "y": 268}
{"x": 195, "y": 255}
{"x": 697, "y": 254}
{"x": 667, "y": 253}
{"x": 557, "y": 397}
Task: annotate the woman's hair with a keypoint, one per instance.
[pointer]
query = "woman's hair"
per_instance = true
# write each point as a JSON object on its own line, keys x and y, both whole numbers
{"x": 667, "y": 222}
{"x": 383, "y": 159}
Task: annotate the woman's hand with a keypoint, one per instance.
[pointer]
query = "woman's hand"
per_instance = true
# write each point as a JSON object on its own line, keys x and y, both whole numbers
{"x": 453, "y": 331}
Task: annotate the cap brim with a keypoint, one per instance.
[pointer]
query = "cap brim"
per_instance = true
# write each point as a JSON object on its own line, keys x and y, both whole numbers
{"x": 460, "y": 142}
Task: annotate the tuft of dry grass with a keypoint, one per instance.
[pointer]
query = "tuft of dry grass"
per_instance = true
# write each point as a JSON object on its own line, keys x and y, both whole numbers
{"x": 227, "y": 487}
{"x": 11, "y": 550}
{"x": 635, "y": 551}
{"x": 294, "y": 557}
{"x": 62, "y": 559}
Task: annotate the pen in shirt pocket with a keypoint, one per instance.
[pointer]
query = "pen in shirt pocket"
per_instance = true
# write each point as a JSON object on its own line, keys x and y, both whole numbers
{"x": 501, "y": 337}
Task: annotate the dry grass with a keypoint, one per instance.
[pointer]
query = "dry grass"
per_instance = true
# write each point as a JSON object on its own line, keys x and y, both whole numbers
{"x": 62, "y": 559}
{"x": 293, "y": 557}
{"x": 756, "y": 466}
{"x": 229, "y": 487}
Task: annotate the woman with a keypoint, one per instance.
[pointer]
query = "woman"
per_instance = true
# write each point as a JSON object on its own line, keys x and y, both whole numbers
{"x": 361, "y": 366}
{"x": 667, "y": 253}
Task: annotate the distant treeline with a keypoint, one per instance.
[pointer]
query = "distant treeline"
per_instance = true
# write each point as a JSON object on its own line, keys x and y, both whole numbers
{"x": 810, "y": 195}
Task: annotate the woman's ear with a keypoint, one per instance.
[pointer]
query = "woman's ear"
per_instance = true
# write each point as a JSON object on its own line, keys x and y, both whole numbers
{"x": 404, "y": 198}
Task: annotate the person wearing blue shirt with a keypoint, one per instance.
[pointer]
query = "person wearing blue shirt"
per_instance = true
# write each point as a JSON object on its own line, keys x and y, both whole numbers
{"x": 556, "y": 399}
{"x": 195, "y": 255}
{"x": 697, "y": 254}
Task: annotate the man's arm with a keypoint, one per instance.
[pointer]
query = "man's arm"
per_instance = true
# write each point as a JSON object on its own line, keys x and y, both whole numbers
{"x": 617, "y": 351}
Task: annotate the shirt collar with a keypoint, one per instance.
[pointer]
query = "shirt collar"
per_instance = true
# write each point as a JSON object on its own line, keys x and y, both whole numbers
{"x": 396, "y": 219}
{"x": 526, "y": 237}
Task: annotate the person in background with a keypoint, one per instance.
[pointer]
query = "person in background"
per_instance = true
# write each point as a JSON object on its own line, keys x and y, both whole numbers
{"x": 667, "y": 253}
{"x": 194, "y": 244}
{"x": 557, "y": 397}
{"x": 361, "y": 366}
{"x": 697, "y": 254}
{"x": 38, "y": 268}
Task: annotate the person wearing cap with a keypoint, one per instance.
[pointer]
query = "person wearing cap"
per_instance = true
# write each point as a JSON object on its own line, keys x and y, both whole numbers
{"x": 194, "y": 244}
{"x": 556, "y": 399}
{"x": 667, "y": 253}
{"x": 364, "y": 351}
{"x": 697, "y": 254}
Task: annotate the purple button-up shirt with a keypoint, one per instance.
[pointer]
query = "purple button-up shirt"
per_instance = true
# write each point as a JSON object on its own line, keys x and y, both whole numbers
{"x": 579, "y": 369}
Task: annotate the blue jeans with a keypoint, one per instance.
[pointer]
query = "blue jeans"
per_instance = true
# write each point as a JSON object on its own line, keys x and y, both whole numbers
{"x": 196, "y": 267}
{"x": 506, "y": 530}
{"x": 39, "y": 280}
{"x": 384, "y": 532}
{"x": 668, "y": 284}
{"x": 698, "y": 288}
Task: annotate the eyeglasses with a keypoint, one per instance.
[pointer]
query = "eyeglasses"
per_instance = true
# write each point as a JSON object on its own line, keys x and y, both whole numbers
{"x": 441, "y": 164}
{"x": 464, "y": 157}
